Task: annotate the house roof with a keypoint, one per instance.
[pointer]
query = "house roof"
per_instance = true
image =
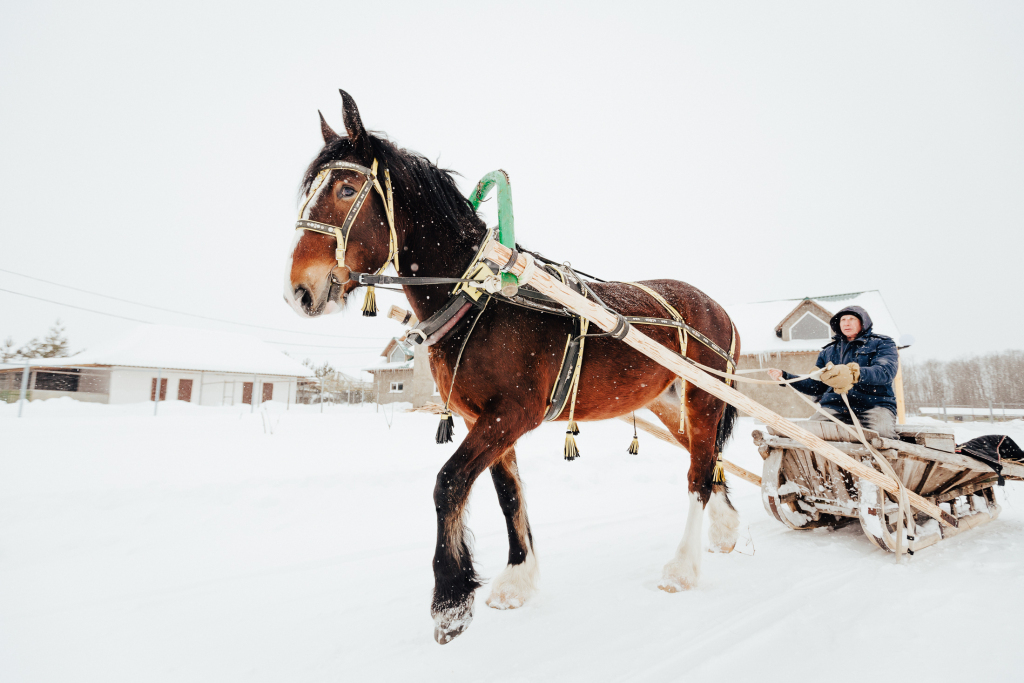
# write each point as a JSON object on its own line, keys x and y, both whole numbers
{"x": 401, "y": 343}
{"x": 186, "y": 348}
{"x": 758, "y": 321}
{"x": 407, "y": 348}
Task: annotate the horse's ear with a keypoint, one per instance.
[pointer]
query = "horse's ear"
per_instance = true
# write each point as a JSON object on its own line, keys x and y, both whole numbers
{"x": 328, "y": 133}
{"x": 354, "y": 125}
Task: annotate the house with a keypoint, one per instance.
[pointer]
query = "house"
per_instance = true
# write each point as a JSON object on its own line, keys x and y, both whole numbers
{"x": 194, "y": 365}
{"x": 404, "y": 376}
{"x": 789, "y": 333}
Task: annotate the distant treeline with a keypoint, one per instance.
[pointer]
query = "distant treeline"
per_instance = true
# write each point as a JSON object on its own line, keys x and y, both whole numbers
{"x": 975, "y": 381}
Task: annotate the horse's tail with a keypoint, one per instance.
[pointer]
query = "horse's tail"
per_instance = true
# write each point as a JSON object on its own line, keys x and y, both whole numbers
{"x": 725, "y": 427}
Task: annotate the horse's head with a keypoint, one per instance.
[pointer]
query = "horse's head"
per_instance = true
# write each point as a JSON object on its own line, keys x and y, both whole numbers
{"x": 342, "y": 197}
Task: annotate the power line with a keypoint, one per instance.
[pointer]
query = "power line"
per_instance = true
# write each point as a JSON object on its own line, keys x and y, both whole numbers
{"x": 81, "y": 308}
{"x": 351, "y": 349}
{"x": 328, "y": 346}
{"x": 160, "y": 308}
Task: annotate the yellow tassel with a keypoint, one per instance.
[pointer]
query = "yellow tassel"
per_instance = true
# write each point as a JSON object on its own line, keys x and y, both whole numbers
{"x": 370, "y": 303}
{"x": 634, "y": 448}
{"x": 572, "y": 428}
{"x": 571, "y": 452}
{"x": 719, "y": 475}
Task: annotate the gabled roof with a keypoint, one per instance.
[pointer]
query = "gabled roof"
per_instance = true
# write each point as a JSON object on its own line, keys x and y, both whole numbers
{"x": 404, "y": 345}
{"x": 185, "y": 348}
{"x": 758, "y": 321}
{"x": 823, "y": 313}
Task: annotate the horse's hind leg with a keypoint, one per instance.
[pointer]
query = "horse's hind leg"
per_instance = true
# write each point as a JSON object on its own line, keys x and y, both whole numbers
{"x": 518, "y": 582}
{"x": 703, "y": 413}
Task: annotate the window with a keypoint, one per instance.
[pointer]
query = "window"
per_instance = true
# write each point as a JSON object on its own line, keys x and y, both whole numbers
{"x": 268, "y": 391}
{"x": 397, "y": 355}
{"x": 247, "y": 392}
{"x": 163, "y": 389}
{"x": 184, "y": 390}
{"x": 63, "y": 380}
{"x": 397, "y": 387}
{"x": 810, "y": 326}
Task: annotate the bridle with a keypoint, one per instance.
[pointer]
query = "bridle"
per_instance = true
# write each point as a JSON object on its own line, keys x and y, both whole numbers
{"x": 341, "y": 233}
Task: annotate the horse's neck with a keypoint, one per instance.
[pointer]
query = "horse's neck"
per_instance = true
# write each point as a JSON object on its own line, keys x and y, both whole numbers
{"x": 434, "y": 251}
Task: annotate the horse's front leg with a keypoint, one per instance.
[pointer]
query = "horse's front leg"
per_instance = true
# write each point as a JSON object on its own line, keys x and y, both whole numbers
{"x": 455, "y": 579}
{"x": 518, "y": 582}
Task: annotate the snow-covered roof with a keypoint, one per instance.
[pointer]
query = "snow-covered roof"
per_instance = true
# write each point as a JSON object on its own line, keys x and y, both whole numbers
{"x": 406, "y": 365}
{"x": 757, "y": 321}
{"x": 186, "y": 348}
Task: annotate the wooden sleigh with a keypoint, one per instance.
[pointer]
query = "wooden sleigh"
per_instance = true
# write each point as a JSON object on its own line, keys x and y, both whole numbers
{"x": 804, "y": 490}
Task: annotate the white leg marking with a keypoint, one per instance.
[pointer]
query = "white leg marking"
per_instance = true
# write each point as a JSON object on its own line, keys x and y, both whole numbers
{"x": 516, "y": 584}
{"x": 725, "y": 524}
{"x": 683, "y": 570}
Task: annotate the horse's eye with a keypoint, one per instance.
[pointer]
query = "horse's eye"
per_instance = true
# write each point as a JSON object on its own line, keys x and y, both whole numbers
{"x": 344, "y": 191}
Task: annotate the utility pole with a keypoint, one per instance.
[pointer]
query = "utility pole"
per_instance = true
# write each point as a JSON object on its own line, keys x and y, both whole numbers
{"x": 24, "y": 389}
{"x": 991, "y": 415}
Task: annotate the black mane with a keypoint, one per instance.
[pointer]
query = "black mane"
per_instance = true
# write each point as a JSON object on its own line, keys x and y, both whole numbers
{"x": 423, "y": 191}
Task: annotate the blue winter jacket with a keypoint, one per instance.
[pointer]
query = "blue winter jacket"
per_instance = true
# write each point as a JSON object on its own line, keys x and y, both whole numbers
{"x": 874, "y": 353}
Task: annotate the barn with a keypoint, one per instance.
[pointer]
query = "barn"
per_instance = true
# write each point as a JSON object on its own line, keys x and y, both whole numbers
{"x": 788, "y": 334}
{"x": 197, "y": 366}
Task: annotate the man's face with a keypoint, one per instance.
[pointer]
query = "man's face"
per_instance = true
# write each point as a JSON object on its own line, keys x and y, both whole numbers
{"x": 850, "y": 326}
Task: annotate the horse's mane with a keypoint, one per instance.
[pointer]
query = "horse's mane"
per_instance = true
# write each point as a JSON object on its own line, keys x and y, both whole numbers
{"x": 424, "y": 191}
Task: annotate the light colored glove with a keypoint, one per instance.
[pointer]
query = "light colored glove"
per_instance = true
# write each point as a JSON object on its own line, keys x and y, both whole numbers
{"x": 841, "y": 377}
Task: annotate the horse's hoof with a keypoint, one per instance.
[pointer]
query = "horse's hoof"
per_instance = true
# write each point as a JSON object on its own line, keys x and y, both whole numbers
{"x": 504, "y": 601}
{"x": 678, "y": 576}
{"x": 515, "y": 585}
{"x": 722, "y": 548}
{"x": 449, "y": 623}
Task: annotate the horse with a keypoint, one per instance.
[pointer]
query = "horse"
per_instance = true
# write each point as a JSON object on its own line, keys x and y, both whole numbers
{"x": 511, "y": 361}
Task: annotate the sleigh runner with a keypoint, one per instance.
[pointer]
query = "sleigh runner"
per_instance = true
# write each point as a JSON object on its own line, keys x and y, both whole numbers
{"x": 804, "y": 490}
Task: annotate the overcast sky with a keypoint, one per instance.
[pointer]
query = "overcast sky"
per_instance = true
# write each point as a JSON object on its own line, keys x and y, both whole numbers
{"x": 756, "y": 150}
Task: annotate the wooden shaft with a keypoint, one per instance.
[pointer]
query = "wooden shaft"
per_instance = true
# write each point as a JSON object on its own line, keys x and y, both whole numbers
{"x": 897, "y": 388}
{"x": 659, "y": 433}
{"x": 607, "y": 321}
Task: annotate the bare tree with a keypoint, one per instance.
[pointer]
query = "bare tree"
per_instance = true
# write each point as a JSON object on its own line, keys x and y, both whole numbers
{"x": 53, "y": 345}
{"x": 968, "y": 381}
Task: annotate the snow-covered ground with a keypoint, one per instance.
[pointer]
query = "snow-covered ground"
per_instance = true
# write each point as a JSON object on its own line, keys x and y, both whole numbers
{"x": 196, "y": 546}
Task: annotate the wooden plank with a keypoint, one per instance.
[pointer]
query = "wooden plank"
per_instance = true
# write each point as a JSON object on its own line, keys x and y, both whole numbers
{"x": 923, "y": 485}
{"x": 685, "y": 369}
{"x": 829, "y": 431}
{"x": 967, "y": 489}
{"x": 659, "y": 433}
{"x": 954, "y": 459}
{"x": 854, "y": 449}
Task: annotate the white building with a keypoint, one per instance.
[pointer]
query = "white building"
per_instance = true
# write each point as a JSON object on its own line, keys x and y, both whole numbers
{"x": 199, "y": 366}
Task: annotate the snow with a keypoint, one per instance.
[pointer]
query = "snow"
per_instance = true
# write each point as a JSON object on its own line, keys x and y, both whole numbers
{"x": 197, "y": 546}
{"x": 756, "y": 322}
{"x": 187, "y": 348}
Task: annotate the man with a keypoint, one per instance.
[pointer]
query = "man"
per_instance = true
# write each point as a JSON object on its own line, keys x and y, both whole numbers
{"x": 861, "y": 365}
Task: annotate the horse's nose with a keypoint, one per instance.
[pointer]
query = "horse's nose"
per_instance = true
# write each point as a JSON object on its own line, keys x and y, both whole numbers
{"x": 304, "y": 297}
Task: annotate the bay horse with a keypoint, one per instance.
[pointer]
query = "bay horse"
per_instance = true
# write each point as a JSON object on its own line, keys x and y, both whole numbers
{"x": 511, "y": 362}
